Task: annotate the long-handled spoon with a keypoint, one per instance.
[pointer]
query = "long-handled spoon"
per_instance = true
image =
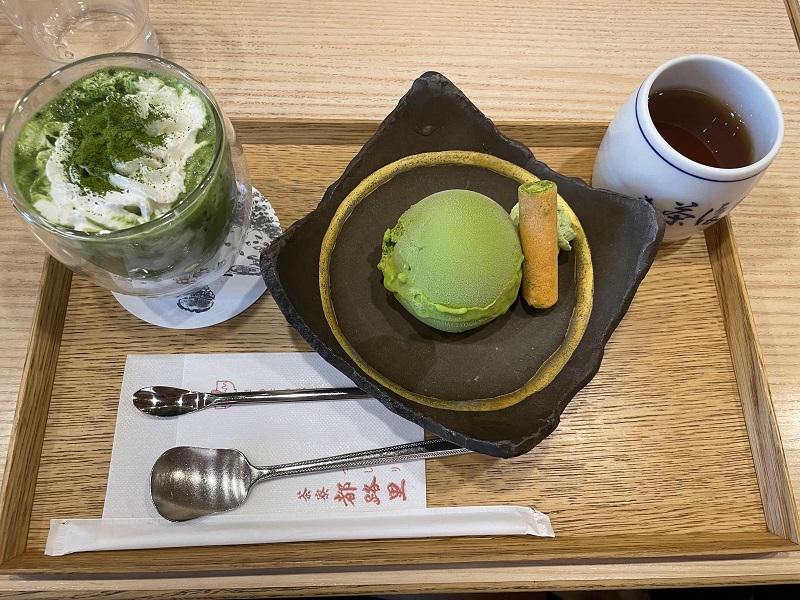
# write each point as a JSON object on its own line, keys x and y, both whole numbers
{"x": 188, "y": 482}
{"x": 167, "y": 401}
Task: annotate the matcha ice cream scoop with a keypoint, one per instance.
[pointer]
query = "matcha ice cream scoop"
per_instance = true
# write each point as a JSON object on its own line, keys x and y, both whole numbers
{"x": 453, "y": 260}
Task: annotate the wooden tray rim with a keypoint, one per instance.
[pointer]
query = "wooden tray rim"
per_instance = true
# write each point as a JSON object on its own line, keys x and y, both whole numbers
{"x": 29, "y": 427}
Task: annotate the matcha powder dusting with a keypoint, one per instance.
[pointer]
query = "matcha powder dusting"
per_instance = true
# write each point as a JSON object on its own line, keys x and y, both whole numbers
{"x": 115, "y": 149}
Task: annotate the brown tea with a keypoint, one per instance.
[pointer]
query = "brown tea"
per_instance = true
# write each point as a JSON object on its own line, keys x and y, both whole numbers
{"x": 702, "y": 128}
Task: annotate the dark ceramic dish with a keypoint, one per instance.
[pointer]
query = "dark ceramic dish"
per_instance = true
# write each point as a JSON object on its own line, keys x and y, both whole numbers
{"x": 498, "y": 358}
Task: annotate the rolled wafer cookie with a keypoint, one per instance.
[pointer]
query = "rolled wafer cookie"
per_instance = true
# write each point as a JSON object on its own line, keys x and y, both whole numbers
{"x": 538, "y": 233}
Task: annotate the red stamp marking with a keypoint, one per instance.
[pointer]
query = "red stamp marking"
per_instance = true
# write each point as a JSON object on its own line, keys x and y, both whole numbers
{"x": 304, "y": 494}
{"x": 397, "y": 491}
{"x": 321, "y": 494}
{"x": 345, "y": 493}
{"x": 371, "y": 491}
{"x": 224, "y": 386}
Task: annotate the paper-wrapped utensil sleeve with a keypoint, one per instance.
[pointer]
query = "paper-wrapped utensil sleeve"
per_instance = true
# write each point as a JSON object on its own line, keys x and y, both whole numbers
{"x": 81, "y": 535}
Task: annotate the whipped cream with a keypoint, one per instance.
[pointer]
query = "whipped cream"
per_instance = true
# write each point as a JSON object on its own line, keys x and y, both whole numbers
{"x": 143, "y": 188}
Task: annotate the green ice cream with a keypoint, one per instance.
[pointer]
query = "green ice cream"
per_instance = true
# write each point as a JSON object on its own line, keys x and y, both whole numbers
{"x": 453, "y": 260}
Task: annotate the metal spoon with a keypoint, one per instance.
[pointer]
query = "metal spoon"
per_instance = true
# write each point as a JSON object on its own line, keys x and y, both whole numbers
{"x": 188, "y": 482}
{"x": 167, "y": 401}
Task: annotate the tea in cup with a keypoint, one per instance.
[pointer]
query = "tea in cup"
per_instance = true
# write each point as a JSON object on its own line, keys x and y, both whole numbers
{"x": 693, "y": 140}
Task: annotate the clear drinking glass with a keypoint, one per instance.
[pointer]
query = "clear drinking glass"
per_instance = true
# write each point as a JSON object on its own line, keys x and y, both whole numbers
{"x": 62, "y": 31}
{"x": 190, "y": 246}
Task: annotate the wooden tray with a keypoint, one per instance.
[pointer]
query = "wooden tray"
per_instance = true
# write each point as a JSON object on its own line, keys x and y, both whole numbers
{"x": 671, "y": 450}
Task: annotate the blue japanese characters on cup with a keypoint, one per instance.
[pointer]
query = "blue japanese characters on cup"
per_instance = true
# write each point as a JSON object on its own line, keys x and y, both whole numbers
{"x": 635, "y": 158}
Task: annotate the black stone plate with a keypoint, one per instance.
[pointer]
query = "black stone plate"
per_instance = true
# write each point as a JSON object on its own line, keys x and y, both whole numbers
{"x": 623, "y": 233}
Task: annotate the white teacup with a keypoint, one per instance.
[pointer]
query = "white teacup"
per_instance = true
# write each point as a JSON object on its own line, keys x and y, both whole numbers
{"x": 634, "y": 159}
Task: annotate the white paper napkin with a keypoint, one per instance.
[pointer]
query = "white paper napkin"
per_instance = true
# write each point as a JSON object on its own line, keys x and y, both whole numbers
{"x": 268, "y": 434}
{"x": 320, "y": 506}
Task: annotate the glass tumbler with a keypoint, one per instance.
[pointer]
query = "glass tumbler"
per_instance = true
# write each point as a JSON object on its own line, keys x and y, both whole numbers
{"x": 191, "y": 245}
{"x": 62, "y": 31}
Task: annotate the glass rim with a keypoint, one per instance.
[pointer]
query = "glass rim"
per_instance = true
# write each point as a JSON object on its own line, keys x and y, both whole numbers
{"x": 687, "y": 165}
{"x": 29, "y": 213}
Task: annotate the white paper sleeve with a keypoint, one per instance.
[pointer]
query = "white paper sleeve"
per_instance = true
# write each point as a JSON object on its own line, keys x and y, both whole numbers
{"x": 82, "y": 535}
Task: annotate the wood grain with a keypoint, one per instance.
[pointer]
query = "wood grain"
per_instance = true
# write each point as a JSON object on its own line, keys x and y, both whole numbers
{"x": 19, "y": 480}
{"x": 656, "y": 429}
{"x": 762, "y": 428}
{"x": 333, "y": 62}
{"x": 351, "y": 60}
{"x": 294, "y": 132}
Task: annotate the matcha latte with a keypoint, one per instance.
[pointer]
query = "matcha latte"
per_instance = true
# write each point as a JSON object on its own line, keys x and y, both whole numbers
{"x": 127, "y": 172}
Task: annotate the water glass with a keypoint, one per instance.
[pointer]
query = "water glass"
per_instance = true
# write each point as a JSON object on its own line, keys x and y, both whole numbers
{"x": 62, "y": 31}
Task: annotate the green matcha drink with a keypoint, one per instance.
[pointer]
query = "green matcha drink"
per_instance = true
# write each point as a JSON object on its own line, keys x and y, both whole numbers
{"x": 127, "y": 176}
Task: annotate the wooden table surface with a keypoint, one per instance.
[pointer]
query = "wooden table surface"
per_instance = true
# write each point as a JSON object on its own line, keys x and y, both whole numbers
{"x": 545, "y": 61}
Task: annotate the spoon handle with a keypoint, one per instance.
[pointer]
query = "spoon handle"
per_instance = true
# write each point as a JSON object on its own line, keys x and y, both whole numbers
{"x": 169, "y": 401}
{"x": 259, "y": 397}
{"x": 434, "y": 448}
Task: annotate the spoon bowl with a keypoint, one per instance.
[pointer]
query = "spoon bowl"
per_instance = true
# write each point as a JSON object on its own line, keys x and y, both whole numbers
{"x": 188, "y": 482}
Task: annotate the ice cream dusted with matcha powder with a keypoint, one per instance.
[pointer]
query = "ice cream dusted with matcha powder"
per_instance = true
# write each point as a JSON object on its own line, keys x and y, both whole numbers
{"x": 453, "y": 260}
{"x": 116, "y": 149}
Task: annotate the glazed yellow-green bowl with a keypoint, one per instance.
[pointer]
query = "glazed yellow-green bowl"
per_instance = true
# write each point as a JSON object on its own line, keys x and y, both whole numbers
{"x": 455, "y": 392}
